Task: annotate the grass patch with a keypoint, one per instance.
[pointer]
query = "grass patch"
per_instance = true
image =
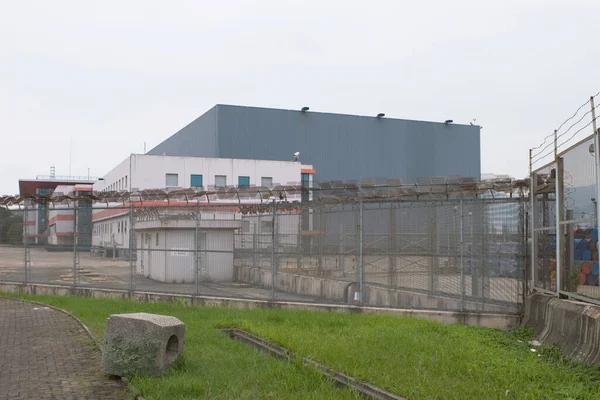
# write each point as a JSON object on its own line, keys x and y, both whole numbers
{"x": 414, "y": 358}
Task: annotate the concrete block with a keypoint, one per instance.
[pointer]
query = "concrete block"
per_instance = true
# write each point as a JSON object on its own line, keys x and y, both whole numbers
{"x": 571, "y": 325}
{"x": 141, "y": 343}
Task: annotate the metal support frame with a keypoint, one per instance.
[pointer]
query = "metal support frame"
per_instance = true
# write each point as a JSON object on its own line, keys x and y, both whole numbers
{"x": 196, "y": 248}
{"x": 596, "y": 163}
{"x": 342, "y": 251}
{"x": 433, "y": 249}
{"x": 361, "y": 263}
{"x": 569, "y": 248}
{"x": 131, "y": 248}
{"x": 462, "y": 266}
{"x": 74, "y": 244}
{"x": 392, "y": 250}
{"x": 559, "y": 195}
{"x": 26, "y": 253}
{"x": 273, "y": 256}
{"x": 532, "y": 226}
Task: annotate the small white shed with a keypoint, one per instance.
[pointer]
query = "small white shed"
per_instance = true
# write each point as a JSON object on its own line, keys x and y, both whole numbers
{"x": 173, "y": 248}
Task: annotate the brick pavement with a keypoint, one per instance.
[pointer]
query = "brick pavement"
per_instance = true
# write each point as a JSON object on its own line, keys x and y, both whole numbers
{"x": 46, "y": 354}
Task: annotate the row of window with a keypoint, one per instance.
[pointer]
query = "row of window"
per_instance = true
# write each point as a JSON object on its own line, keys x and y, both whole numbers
{"x": 172, "y": 180}
{"x": 107, "y": 227}
{"x": 120, "y": 184}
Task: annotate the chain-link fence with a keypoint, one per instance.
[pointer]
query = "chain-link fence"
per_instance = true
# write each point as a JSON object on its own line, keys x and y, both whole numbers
{"x": 564, "y": 243}
{"x": 461, "y": 254}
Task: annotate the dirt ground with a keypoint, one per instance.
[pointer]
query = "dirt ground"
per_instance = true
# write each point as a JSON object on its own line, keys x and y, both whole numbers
{"x": 57, "y": 268}
{"x": 410, "y": 272}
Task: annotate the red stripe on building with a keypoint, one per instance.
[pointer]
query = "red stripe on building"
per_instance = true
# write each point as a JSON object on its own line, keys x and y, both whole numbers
{"x": 61, "y": 217}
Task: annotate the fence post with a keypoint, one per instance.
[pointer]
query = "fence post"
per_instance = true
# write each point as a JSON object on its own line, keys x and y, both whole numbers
{"x": 131, "y": 249}
{"x": 462, "y": 266}
{"x": 273, "y": 272}
{"x": 24, "y": 239}
{"x": 569, "y": 251}
{"x": 320, "y": 244}
{"x": 361, "y": 270}
{"x": 74, "y": 243}
{"x": 299, "y": 242}
{"x": 197, "y": 254}
{"x": 342, "y": 251}
{"x": 559, "y": 194}
{"x": 433, "y": 277}
{"x": 532, "y": 227}
{"x": 392, "y": 250}
{"x": 255, "y": 241}
{"x": 596, "y": 162}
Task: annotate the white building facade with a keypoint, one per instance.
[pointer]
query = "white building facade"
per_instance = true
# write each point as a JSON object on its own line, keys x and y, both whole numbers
{"x": 166, "y": 241}
{"x": 142, "y": 171}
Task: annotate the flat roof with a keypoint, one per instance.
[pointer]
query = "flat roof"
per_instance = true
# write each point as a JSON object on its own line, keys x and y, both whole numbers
{"x": 27, "y": 187}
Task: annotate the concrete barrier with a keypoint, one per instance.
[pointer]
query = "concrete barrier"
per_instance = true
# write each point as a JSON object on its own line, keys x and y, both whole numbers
{"x": 330, "y": 289}
{"x": 571, "y": 325}
{"x": 490, "y": 320}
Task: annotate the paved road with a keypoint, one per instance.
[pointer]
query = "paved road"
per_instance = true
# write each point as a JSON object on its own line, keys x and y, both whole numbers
{"x": 45, "y": 354}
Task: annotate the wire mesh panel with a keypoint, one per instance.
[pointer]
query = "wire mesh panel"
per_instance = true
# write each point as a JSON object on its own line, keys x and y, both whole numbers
{"x": 104, "y": 258}
{"x": 12, "y": 245}
{"x": 429, "y": 250}
{"x": 544, "y": 222}
{"x": 51, "y": 254}
{"x": 580, "y": 261}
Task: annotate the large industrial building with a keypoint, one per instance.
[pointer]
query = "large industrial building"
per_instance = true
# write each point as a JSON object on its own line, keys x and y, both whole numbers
{"x": 342, "y": 147}
{"x": 244, "y": 147}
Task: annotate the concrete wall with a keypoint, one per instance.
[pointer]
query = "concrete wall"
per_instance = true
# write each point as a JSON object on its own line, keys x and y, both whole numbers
{"x": 571, "y": 325}
{"x": 378, "y": 296}
{"x": 496, "y": 321}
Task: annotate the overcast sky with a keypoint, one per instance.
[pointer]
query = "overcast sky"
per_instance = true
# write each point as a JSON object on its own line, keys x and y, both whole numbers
{"x": 111, "y": 75}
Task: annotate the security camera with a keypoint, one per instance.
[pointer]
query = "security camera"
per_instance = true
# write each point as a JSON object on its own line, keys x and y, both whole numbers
{"x": 296, "y": 156}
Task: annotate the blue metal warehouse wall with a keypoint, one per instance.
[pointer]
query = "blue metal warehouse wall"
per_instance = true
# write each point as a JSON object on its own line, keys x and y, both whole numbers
{"x": 197, "y": 139}
{"x": 341, "y": 147}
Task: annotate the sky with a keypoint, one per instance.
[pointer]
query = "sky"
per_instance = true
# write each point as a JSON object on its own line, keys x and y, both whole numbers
{"x": 92, "y": 82}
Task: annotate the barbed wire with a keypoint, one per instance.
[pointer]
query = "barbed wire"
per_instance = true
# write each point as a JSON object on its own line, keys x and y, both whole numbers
{"x": 564, "y": 133}
{"x": 540, "y": 155}
{"x": 323, "y": 192}
{"x": 564, "y": 122}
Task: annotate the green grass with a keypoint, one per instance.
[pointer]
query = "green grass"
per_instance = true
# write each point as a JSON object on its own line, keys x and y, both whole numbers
{"x": 413, "y": 358}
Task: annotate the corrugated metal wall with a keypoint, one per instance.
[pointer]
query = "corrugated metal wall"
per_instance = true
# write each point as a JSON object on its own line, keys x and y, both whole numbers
{"x": 341, "y": 147}
{"x": 197, "y": 139}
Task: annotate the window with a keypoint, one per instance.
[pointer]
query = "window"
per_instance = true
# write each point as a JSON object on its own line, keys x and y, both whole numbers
{"x": 220, "y": 180}
{"x": 245, "y": 226}
{"x": 157, "y": 238}
{"x": 119, "y": 227}
{"x": 196, "y": 181}
{"x": 172, "y": 180}
{"x": 126, "y": 187}
{"x": 305, "y": 185}
{"x": 125, "y": 226}
{"x": 266, "y": 181}
{"x": 243, "y": 181}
